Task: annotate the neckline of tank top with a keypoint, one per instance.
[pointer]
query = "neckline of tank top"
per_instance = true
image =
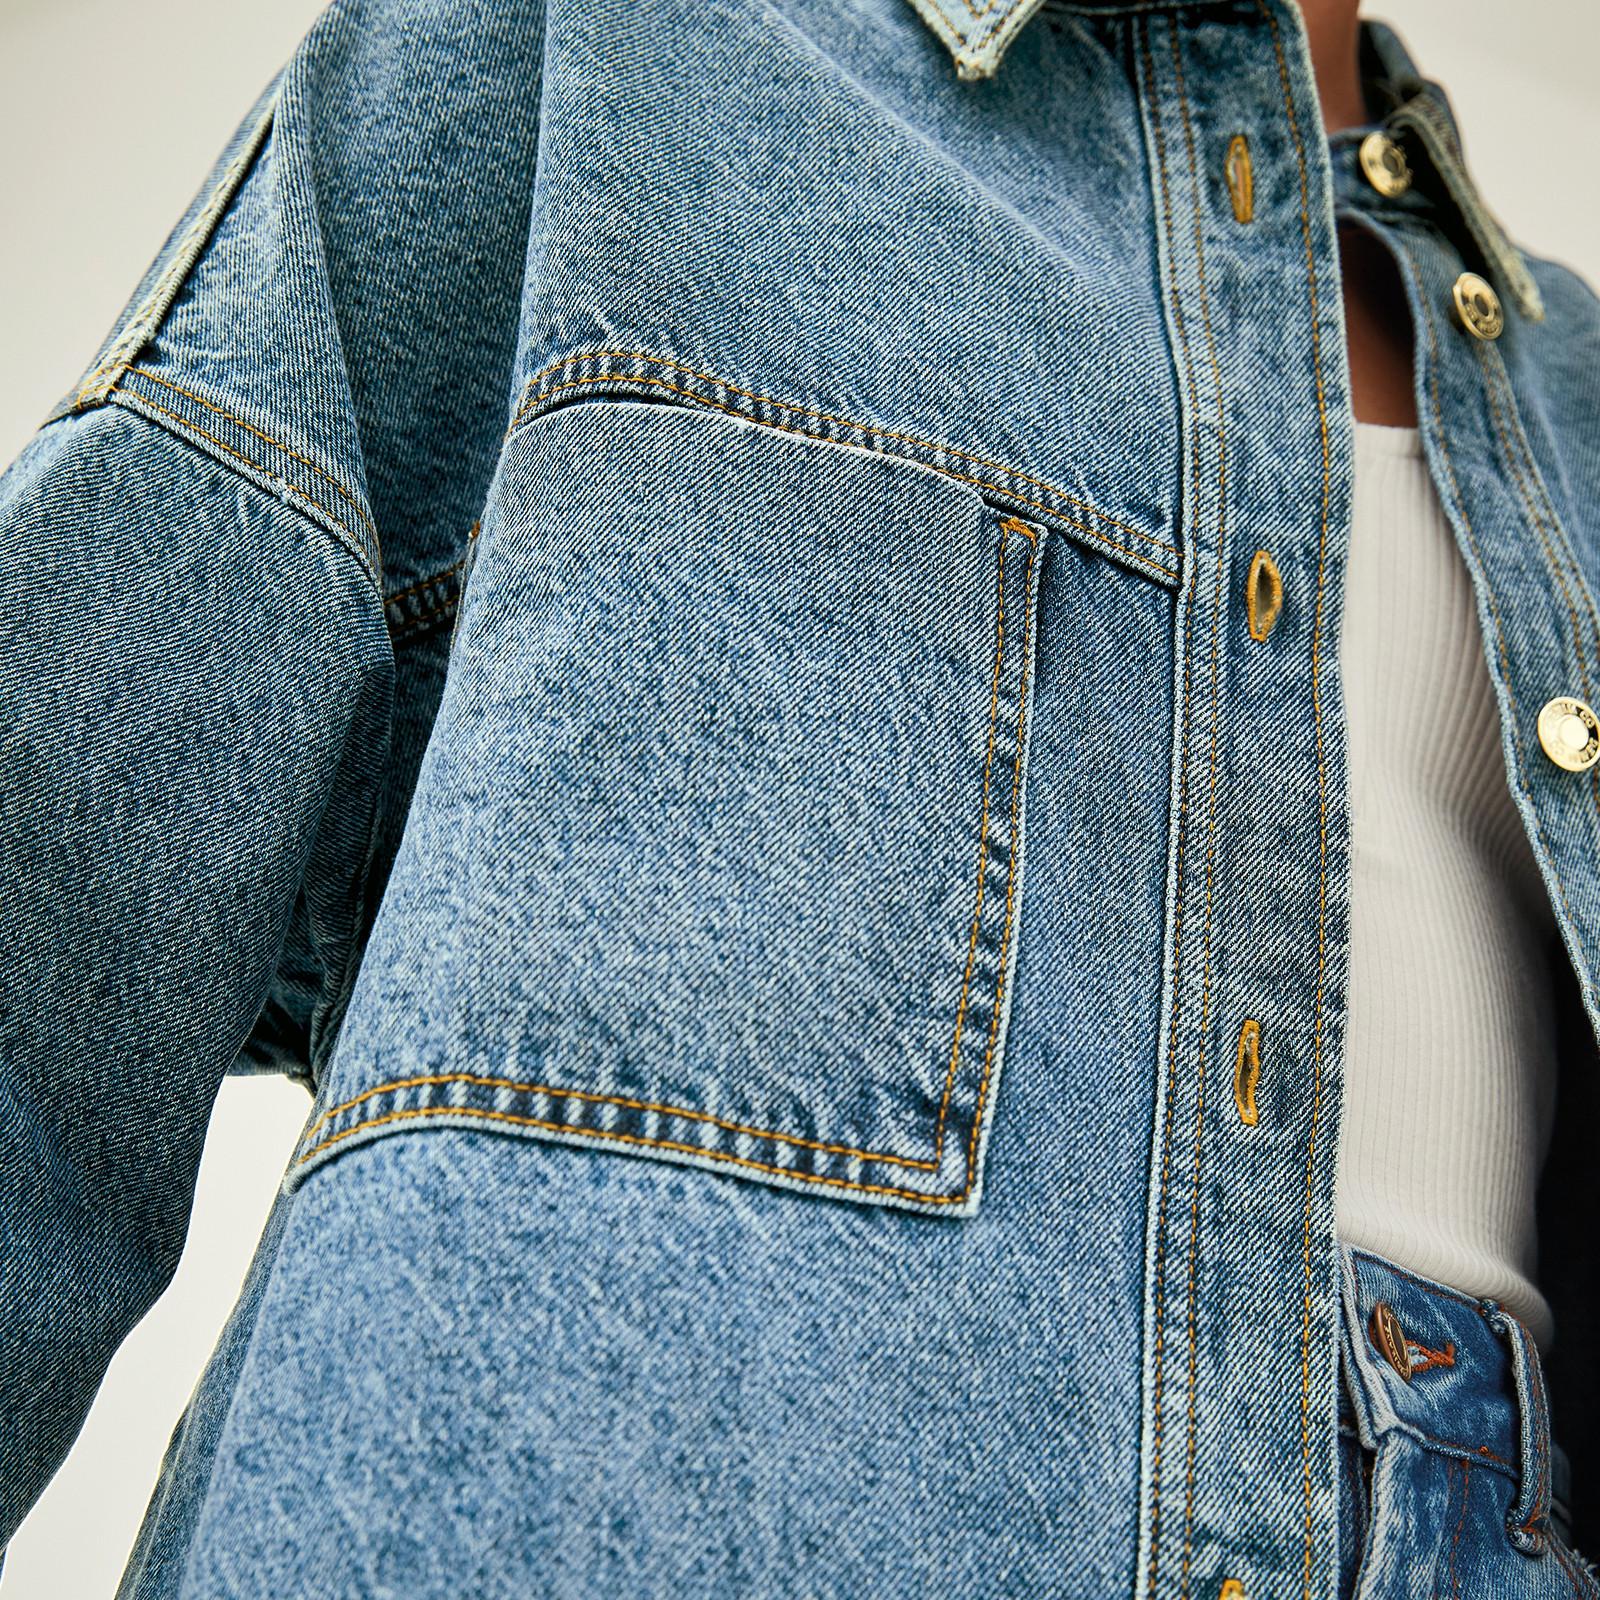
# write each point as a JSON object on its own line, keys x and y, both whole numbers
{"x": 1382, "y": 438}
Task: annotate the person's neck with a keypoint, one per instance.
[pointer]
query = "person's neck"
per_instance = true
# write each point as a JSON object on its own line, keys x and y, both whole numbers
{"x": 1334, "y": 31}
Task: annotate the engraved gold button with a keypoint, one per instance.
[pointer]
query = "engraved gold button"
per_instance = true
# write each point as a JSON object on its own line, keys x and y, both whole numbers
{"x": 1477, "y": 306}
{"x": 1570, "y": 733}
{"x": 1390, "y": 1338}
{"x": 1384, "y": 164}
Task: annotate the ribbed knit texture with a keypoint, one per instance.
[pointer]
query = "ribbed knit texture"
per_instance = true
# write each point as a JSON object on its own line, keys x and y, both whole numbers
{"x": 1450, "y": 1058}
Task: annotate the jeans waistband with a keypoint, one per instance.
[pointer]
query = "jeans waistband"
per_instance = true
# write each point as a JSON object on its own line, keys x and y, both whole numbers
{"x": 1455, "y": 1373}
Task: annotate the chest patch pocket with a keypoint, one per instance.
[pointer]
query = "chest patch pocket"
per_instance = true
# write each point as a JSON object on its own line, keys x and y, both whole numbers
{"x": 716, "y": 855}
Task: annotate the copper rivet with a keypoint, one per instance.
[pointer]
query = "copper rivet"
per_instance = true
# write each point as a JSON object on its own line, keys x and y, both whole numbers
{"x": 1390, "y": 1338}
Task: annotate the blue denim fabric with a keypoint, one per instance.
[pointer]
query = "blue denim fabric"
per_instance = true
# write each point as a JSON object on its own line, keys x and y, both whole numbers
{"x": 652, "y": 599}
{"x": 1451, "y": 1481}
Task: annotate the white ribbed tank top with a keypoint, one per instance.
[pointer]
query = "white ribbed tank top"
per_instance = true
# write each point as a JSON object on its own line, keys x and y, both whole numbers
{"x": 1450, "y": 1063}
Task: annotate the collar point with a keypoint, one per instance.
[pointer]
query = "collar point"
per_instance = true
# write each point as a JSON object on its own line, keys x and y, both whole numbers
{"x": 976, "y": 36}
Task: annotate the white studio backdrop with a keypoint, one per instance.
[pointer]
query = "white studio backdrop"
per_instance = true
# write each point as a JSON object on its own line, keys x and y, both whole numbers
{"x": 110, "y": 116}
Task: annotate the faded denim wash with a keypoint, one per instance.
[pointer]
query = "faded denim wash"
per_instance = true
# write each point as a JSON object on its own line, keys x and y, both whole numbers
{"x": 651, "y": 599}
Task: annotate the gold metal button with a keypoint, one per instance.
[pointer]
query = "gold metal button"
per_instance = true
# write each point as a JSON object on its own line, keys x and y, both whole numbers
{"x": 1390, "y": 1338}
{"x": 1477, "y": 306}
{"x": 1570, "y": 733}
{"x": 1384, "y": 164}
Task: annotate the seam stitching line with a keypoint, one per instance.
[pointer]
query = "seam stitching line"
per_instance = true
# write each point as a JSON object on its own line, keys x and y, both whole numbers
{"x": 1211, "y": 816}
{"x": 152, "y": 310}
{"x": 423, "y": 624}
{"x": 131, "y": 401}
{"x": 533, "y": 401}
{"x": 355, "y": 505}
{"x": 423, "y": 583}
{"x": 1139, "y": 33}
{"x": 536, "y": 402}
{"x": 974, "y": 51}
{"x": 1322, "y": 794}
{"x": 586, "y": 1097}
{"x": 960, "y": 477}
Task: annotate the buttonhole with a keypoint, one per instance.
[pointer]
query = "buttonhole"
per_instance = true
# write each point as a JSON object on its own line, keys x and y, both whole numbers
{"x": 1247, "y": 1071}
{"x": 1263, "y": 594}
{"x": 1241, "y": 178}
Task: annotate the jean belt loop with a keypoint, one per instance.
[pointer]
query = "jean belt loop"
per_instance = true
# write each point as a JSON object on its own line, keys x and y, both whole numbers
{"x": 1527, "y": 1521}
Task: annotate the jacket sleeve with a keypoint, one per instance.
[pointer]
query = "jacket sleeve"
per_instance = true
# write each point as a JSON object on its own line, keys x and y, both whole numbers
{"x": 194, "y": 701}
{"x": 206, "y": 742}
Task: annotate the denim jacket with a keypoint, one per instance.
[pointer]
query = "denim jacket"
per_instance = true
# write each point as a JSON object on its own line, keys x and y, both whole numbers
{"x": 717, "y": 621}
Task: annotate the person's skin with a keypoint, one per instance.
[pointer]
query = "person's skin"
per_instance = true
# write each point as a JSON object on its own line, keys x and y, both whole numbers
{"x": 1377, "y": 324}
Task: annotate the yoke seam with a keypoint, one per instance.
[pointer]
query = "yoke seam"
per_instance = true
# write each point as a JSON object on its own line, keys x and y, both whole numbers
{"x": 535, "y": 399}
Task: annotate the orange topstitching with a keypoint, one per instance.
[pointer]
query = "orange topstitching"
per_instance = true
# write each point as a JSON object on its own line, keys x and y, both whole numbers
{"x": 715, "y": 1155}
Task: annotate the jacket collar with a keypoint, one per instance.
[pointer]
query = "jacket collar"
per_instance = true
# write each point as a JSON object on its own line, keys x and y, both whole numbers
{"x": 975, "y": 32}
